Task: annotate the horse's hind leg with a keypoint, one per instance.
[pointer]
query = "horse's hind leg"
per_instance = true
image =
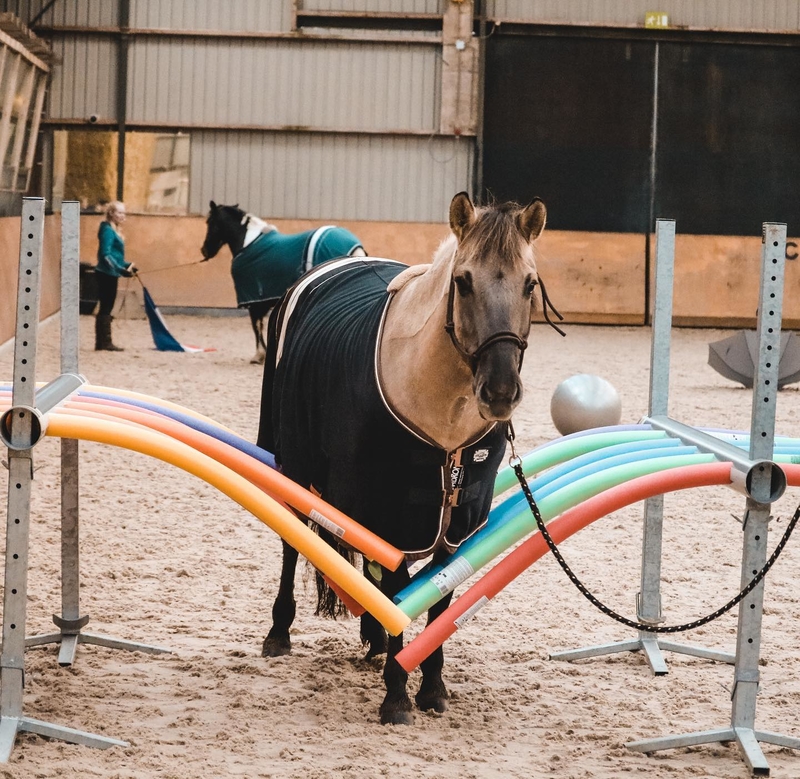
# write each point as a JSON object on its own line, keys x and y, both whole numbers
{"x": 257, "y": 321}
{"x": 277, "y": 642}
{"x": 432, "y": 693}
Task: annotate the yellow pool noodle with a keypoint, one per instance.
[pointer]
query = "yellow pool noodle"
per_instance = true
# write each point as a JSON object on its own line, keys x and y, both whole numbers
{"x": 254, "y": 500}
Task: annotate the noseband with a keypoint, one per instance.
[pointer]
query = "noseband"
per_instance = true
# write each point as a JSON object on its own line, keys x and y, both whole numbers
{"x": 471, "y": 358}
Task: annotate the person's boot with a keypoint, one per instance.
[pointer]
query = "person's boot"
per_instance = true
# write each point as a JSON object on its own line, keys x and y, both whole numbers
{"x": 102, "y": 335}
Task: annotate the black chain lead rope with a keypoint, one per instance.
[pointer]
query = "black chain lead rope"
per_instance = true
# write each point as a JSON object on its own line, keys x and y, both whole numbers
{"x": 516, "y": 463}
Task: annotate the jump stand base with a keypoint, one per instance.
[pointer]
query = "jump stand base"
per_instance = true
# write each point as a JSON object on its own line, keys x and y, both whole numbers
{"x": 746, "y": 738}
{"x": 69, "y": 644}
{"x": 11, "y": 726}
{"x": 652, "y": 649}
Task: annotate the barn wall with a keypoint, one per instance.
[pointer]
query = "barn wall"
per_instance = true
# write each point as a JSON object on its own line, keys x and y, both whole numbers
{"x": 285, "y": 175}
{"x": 370, "y": 126}
{"x": 282, "y": 83}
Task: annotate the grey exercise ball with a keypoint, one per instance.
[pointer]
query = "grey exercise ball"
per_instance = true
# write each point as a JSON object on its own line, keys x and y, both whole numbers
{"x": 584, "y": 401}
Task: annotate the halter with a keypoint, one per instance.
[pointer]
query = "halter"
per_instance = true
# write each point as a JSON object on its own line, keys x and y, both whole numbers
{"x": 471, "y": 358}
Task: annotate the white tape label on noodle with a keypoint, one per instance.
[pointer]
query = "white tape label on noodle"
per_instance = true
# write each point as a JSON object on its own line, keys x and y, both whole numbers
{"x": 452, "y": 575}
{"x": 326, "y": 523}
{"x": 471, "y": 612}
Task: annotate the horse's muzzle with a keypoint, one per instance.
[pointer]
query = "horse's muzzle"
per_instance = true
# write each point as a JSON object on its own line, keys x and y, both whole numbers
{"x": 497, "y": 384}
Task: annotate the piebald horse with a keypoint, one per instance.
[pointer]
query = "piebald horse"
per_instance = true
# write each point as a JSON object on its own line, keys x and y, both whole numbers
{"x": 388, "y": 389}
{"x": 267, "y": 262}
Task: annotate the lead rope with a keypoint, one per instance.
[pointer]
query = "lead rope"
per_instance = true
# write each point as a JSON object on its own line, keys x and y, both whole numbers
{"x": 516, "y": 463}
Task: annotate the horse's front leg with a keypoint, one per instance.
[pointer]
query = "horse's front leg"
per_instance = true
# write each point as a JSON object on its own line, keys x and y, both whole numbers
{"x": 432, "y": 693}
{"x": 373, "y": 634}
{"x": 277, "y": 642}
{"x": 396, "y": 708}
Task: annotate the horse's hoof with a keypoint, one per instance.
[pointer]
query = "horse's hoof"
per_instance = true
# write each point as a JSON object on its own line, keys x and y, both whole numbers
{"x": 432, "y": 697}
{"x": 276, "y": 647}
{"x": 435, "y": 703}
{"x": 376, "y": 649}
{"x": 258, "y": 359}
{"x": 396, "y": 717}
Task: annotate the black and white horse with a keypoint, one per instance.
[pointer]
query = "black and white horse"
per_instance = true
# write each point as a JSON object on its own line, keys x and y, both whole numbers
{"x": 387, "y": 389}
{"x": 267, "y": 262}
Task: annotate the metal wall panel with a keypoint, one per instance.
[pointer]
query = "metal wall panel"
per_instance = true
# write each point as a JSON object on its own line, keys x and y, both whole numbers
{"x": 774, "y": 15}
{"x": 66, "y": 13}
{"x": 230, "y": 16}
{"x": 300, "y": 175}
{"x": 83, "y": 83}
{"x": 344, "y": 85}
{"x": 376, "y": 6}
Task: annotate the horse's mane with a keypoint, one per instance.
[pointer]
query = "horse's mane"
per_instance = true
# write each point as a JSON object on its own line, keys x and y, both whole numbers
{"x": 495, "y": 228}
{"x": 246, "y": 218}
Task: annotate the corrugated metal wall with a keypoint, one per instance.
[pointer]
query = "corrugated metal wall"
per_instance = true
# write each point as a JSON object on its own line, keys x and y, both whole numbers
{"x": 231, "y": 15}
{"x": 290, "y": 175}
{"x": 93, "y": 92}
{"x": 66, "y": 13}
{"x": 776, "y": 15}
{"x": 320, "y": 84}
{"x": 375, "y": 6}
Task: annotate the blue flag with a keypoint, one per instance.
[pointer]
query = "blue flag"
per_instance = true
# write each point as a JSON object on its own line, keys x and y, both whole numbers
{"x": 163, "y": 339}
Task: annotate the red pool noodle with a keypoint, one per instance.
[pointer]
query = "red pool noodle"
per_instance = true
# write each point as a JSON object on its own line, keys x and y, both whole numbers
{"x": 571, "y": 521}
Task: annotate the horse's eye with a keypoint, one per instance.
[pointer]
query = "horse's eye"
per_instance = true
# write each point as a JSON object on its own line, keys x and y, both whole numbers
{"x": 464, "y": 283}
{"x": 530, "y": 286}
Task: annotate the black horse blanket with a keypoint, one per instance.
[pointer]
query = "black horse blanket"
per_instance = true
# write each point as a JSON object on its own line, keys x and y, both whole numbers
{"x": 325, "y": 418}
{"x": 268, "y": 266}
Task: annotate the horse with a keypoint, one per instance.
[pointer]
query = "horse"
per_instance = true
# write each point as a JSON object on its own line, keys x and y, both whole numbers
{"x": 267, "y": 262}
{"x": 388, "y": 389}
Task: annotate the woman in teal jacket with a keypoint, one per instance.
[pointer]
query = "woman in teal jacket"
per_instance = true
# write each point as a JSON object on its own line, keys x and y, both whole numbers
{"x": 110, "y": 266}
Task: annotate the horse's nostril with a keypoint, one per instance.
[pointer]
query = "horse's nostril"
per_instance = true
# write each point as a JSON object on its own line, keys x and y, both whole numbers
{"x": 504, "y": 395}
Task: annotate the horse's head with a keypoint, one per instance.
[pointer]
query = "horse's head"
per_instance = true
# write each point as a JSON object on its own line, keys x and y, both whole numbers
{"x": 224, "y": 225}
{"x": 491, "y": 296}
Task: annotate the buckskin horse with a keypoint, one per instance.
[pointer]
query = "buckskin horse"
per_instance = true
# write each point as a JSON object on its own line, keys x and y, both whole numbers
{"x": 388, "y": 389}
{"x": 267, "y": 262}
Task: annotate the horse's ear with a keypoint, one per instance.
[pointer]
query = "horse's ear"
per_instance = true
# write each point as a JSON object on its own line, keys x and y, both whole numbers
{"x": 531, "y": 220}
{"x": 462, "y": 214}
{"x": 212, "y": 204}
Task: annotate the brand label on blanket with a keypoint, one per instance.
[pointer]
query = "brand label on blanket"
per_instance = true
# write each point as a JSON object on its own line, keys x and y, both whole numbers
{"x": 452, "y": 575}
{"x": 471, "y": 612}
{"x": 326, "y": 524}
{"x": 456, "y": 476}
{"x": 480, "y": 455}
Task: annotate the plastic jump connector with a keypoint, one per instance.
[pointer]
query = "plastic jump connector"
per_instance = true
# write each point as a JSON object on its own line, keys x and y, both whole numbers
{"x": 744, "y": 471}
{"x": 47, "y": 398}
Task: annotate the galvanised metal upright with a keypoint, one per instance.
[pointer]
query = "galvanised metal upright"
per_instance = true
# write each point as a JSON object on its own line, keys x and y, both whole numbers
{"x": 70, "y": 622}
{"x": 742, "y": 728}
{"x": 648, "y": 601}
{"x": 23, "y": 427}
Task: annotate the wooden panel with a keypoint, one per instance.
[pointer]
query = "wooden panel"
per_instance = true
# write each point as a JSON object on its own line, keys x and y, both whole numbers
{"x": 716, "y": 281}
{"x": 154, "y": 243}
{"x": 594, "y": 277}
{"x": 9, "y": 264}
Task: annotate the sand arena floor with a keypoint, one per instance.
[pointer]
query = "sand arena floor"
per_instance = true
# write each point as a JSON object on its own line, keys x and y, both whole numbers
{"x": 167, "y": 560}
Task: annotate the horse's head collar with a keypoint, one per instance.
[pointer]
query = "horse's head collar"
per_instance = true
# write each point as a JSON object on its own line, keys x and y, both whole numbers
{"x": 471, "y": 357}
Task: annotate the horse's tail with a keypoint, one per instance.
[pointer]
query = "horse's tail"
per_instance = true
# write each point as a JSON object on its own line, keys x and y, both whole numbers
{"x": 328, "y": 602}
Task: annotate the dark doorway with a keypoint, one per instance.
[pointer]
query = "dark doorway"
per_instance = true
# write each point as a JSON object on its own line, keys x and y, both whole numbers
{"x": 569, "y": 119}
